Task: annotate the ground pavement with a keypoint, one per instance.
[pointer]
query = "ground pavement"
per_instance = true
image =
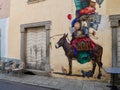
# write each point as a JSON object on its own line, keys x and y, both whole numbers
{"x": 56, "y": 83}
{"x": 9, "y": 85}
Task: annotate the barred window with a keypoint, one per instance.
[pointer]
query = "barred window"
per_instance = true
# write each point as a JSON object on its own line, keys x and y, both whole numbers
{"x": 34, "y": 1}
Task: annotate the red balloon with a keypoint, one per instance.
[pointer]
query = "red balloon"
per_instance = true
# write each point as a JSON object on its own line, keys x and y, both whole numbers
{"x": 87, "y": 10}
{"x": 69, "y": 16}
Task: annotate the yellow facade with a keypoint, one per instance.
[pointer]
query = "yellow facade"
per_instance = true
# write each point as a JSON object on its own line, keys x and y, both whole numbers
{"x": 56, "y": 11}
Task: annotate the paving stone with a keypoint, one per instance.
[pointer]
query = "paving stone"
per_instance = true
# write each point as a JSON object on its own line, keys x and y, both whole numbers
{"x": 106, "y": 88}
{"x": 54, "y": 83}
{"x": 70, "y": 86}
{"x": 60, "y": 83}
{"x": 88, "y": 86}
{"x": 99, "y": 88}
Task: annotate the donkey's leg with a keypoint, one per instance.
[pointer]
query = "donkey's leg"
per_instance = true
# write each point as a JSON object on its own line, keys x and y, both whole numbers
{"x": 100, "y": 66}
{"x": 99, "y": 62}
{"x": 94, "y": 66}
{"x": 91, "y": 72}
{"x": 70, "y": 66}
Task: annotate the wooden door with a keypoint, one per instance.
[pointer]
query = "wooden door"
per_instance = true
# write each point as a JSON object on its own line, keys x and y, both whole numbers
{"x": 36, "y": 48}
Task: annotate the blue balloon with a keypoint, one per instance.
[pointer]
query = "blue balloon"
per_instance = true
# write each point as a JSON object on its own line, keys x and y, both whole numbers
{"x": 73, "y": 22}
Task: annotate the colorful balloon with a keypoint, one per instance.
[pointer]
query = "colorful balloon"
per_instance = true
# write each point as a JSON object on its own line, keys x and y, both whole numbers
{"x": 99, "y": 2}
{"x": 69, "y": 16}
{"x": 80, "y": 4}
{"x": 73, "y": 22}
{"x": 87, "y": 10}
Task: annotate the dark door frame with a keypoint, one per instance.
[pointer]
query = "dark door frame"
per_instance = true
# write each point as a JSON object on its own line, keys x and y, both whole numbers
{"x": 23, "y": 29}
{"x": 114, "y": 23}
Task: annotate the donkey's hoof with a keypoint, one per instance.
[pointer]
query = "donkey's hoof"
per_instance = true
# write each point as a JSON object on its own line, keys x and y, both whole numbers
{"x": 99, "y": 76}
{"x": 89, "y": 74}
{"x": 83, "y": 73}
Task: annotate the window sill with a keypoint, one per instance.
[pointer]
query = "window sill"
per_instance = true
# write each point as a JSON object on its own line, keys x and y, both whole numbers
{"x": 36, "y": 1}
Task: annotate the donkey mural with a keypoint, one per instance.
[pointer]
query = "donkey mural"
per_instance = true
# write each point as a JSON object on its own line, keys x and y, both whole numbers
{"x": 69, "y": 52}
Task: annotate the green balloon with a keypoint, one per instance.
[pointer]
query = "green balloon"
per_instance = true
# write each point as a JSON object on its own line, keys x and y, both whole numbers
{"x": 80, "y": 4}
{"x": 99, "y": 2}
{"x": 83, "y": 57}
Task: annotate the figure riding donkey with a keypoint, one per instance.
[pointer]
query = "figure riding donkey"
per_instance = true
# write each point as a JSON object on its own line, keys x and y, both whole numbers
{"x": 82, "y": 47}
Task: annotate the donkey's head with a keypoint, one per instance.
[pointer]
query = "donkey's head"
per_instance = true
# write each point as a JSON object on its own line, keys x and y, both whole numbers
{"x": 61, "y": 41}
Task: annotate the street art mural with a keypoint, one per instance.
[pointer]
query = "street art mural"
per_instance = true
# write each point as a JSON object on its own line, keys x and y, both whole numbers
{"x": 82, "y": 47}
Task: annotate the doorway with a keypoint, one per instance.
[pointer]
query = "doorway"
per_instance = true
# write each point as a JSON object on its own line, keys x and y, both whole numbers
{"x": 35, "y": 51}
{"x": 36, "y": 48}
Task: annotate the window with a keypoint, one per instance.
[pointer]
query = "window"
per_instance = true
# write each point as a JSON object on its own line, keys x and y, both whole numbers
{"x": 34, "y": 1}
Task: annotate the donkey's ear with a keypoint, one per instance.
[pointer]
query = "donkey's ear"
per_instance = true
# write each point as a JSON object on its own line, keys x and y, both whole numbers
{"x": 66, "y": 35}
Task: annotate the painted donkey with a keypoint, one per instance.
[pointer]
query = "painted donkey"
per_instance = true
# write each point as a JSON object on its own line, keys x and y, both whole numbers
{"x": 95, "y": 57}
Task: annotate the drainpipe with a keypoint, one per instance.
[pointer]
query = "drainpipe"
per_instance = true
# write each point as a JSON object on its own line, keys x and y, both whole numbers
{"x": 0, "y": 44}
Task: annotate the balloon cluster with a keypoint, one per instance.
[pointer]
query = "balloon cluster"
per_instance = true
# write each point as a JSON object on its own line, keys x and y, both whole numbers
{"x": 86, "y": 13}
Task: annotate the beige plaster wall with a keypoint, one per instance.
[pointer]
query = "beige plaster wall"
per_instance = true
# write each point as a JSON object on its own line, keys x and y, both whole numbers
{"x": 4, "y": 8}
{"x": 113, "y": 7}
